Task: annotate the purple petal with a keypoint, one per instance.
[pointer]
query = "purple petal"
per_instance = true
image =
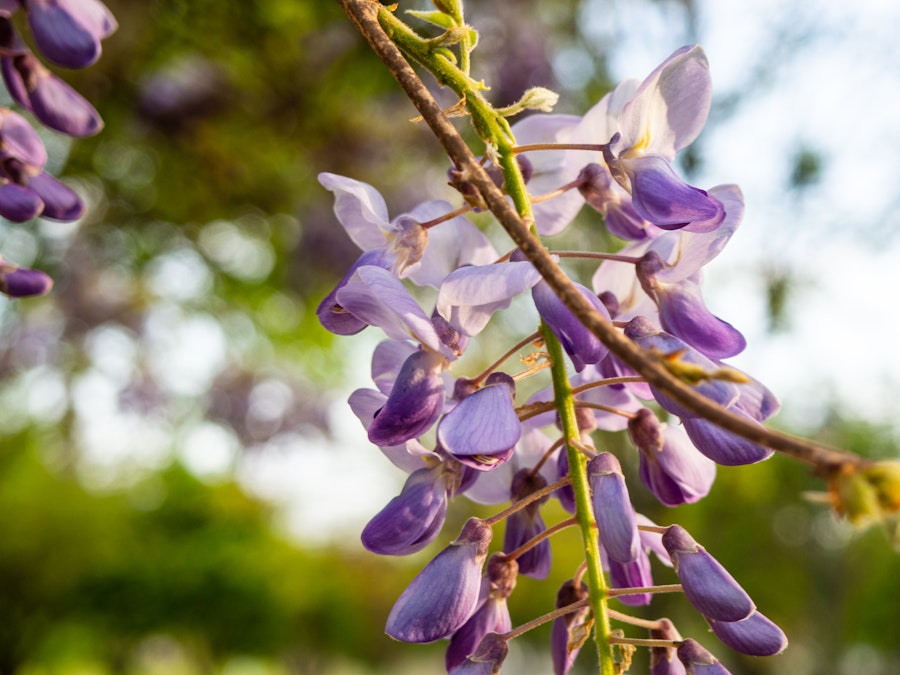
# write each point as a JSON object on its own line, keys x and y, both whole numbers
{"x": 550, "y": 169}
{"x": 360, "y": 209}
{"x": 52, "y": 101}
{"x": 662, "y": 198}
{"x": 20, "y": 140}
{"x": 332, "y": 315}
{"x": 470, "y": 295}
{"x": 724, "y": 447}
{"x": 648, "y": 336}
{"x": 484, "y": 424}
{"x": 68, "y": 32}
{"x": 60, "y": 201}
{"x": 683, "y": 313}
{"x": 635, "y": 574}
{"x": 671, "y": 105}
{"x": 410, "y": 521}
{"x": 756, "y": 635}
{"x": 19, "y": 204}
{"x": 487, "y": 659}
{"x": 563, "y": 658}
{"x": 20, "y": 282}
{"x": 451, "y": 245}
{"x": 664, "y": 660}
{"x": 707, "y": 585}
{"x": 491, "y": 617}
{"x": 374, "y": 295}
{"x": 582, "y": 346}
{"x": 613, "y": 509}
{"x": 698, "y": 661}
{"x": 415, "y": 402}
{"x": 676, "y": 473}
{"x": 444, "y": 594}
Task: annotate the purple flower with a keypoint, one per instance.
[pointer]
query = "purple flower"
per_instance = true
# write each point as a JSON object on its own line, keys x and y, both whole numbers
{"x": 563, "y": 649}
{"x": 20, "y": 282}
{"x": 492, "y": 615}
{"x": 525, "y": 524}
{"x": 670, "y": 466}
{"x": 725, "y": 447}
{"x": 683, "y": 313}
{"x": 415, "y": 402}
{"x": 68, "y": 32}
{"x": 707, "y": 585}
{"x": 410, "y": 521}
{"x": 582, "y": 346}
{"x": 698, "y": 661}
{"x": 755, "y": 635}
{"x": 483, "y": 429}
{"x": 613, "y": 509}
{"x": 444, "y": 594}
{"x": 469, "y": 296}
{"x": 51, "y": 100}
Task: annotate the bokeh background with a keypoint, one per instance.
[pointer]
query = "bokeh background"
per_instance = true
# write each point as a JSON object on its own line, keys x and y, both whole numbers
{"x": 181, "y": 484}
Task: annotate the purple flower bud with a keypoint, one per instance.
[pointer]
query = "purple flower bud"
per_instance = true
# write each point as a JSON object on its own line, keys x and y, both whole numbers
{"x": 68, "y": 32}
{"x": 525, "y": 524}
{"x": 18, "y": 203}
{"x": 444, "y": 594}
{"x": 52, "y": 101}
{"x": 491, "y": 617}
{"x": 411, "y": 520}
{"x": 756, "y": 635}
{"x": 698, "y": 661}
{"x": 562, "y": 649}
{"x": 725, "y": 447}
{"x": 613, "y": 509}
{"x": 60, "y": 201}
{"x": 19, "y": 282}
{"x": 707, "y": 584}
{"x": 663, "y": 660}
{"x": 20, "y": 140}
{"x": 483, "y": 429}
{"x": 635, "y": 574}
{"x": 415, "y": 402}
{"x": 582, "y": 346}
{"x": 487, "y": 659}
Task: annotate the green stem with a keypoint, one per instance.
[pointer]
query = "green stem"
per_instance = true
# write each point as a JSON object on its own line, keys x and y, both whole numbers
{"x": 584, "y": 511}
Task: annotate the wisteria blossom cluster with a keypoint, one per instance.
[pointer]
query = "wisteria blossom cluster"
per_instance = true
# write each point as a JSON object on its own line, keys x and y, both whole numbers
{"x": 67, "y": 33}
{"x": 471, "y": 435}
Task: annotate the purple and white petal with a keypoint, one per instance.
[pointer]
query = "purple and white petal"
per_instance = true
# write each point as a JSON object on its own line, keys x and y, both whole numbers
{"x": 724, "y": 447}
{"x": 360, "y": 209}
{"x": 470, "y": 295}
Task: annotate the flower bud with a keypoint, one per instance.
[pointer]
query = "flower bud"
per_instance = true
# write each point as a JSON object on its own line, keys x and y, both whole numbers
{"x": 707, "y": 585}
{"x": 698, "y": 661}
{"x": 612, "y": 508}
{"x": 444, "y": 594}
{"x": 756, "y": 635}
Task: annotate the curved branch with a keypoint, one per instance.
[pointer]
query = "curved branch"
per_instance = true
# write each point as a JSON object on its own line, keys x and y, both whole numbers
{"x": 826, "y": 461}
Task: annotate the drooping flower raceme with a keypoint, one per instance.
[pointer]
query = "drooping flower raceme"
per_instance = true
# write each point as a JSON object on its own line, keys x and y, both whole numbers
{"x": 433, "y": 283}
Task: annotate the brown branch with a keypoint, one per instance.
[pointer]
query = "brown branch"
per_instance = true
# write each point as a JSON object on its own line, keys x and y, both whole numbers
{"x": 827, "y": 461}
